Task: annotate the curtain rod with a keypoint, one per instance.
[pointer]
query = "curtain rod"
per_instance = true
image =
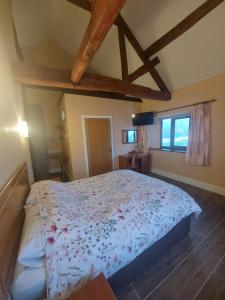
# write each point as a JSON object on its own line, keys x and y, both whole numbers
{"x": 208, "y": 101}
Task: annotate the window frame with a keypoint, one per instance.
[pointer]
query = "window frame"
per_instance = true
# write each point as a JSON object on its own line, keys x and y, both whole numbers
{"x": 125, "y": 136}
{"x": 172, "y": 147}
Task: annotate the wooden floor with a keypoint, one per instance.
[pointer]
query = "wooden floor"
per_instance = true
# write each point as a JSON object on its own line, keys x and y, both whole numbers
{"x": 195, "y": 267}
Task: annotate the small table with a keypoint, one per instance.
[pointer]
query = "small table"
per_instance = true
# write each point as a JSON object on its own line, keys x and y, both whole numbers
{"x": 143, "y": 162}
{"x": 96, "y": 289}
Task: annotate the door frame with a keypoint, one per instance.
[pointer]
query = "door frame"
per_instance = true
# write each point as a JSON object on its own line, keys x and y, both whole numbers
{"x": 84, "y": 117}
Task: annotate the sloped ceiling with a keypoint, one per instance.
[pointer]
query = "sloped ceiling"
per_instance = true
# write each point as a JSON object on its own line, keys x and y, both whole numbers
{"x": 196, "y": 55}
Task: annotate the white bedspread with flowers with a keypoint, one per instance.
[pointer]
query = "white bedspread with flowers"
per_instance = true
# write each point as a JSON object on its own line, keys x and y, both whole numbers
{"x": 102, "y": 223}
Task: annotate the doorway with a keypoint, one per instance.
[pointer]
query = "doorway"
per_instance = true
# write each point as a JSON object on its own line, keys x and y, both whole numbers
{"x": 98, "y": 144}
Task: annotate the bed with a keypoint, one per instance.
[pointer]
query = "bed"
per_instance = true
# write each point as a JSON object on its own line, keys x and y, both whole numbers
{"x": 113, "y": 223}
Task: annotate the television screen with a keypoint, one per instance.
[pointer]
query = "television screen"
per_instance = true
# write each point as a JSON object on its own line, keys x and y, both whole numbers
{"x": 143, "y": 119}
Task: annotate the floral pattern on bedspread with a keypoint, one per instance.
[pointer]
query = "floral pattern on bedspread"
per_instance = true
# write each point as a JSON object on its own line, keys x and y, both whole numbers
{"x": 102, "y": 223}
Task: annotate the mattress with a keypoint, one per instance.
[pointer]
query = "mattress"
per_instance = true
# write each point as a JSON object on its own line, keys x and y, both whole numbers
{"x": 29, "y": 283}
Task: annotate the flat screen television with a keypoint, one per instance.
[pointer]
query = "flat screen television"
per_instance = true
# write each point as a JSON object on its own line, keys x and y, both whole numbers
{"x": 143, "y": 119}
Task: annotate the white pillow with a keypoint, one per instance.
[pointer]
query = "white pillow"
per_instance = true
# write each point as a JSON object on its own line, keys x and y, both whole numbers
{"x": 28, "y": 283}
{"x": 31, "y": 251}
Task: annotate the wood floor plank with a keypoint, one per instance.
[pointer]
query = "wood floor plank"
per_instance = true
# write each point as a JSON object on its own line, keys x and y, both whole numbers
{"x": 215, "y": 243}
{"x": 128, "y": 293}
{"x": 220, "y": 271}
{"x": 185, "y": 282}
{"x": 210, "y": 200}
{"x": 207, "y": 202}
{"x": 208, "y": 221}
{"x": 147, "y": 281}
{"x": 214, "y": 289}
{"x": 195, "y": 269}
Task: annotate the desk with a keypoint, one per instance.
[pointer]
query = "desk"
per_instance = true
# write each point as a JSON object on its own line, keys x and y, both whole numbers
{"x": 143, "y": 162}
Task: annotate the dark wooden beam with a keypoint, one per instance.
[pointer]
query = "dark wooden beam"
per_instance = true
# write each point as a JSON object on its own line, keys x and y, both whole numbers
{"x": 182, "y": 27}
{"x": 85, "y": 4}
{"x": 124, "y": 27}
{"x": 19, "y": 51}
{"x": 61, "y": 79}
{"x": 105, "y": 95}
{"x": 123, "y": 54}
{"x": 142, "y": 70}
{"x": 104, "y": 13}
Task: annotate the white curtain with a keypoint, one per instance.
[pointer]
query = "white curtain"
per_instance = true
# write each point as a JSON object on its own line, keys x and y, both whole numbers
{"x": 199, "y": 137}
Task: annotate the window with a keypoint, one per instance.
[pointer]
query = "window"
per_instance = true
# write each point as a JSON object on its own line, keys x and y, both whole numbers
{"x": 129, "y": 136}
{"x": 174, "y": 133}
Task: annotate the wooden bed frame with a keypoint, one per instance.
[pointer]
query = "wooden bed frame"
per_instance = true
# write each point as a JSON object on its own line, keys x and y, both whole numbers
{"x": 12, "y": 199}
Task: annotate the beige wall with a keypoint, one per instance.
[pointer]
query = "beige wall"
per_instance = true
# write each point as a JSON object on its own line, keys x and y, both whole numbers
{"x": 47, "y": 53}
{"x": 76, "y": 106}
{"x": 13, "y": 148}
{"x": 174, "y": 162}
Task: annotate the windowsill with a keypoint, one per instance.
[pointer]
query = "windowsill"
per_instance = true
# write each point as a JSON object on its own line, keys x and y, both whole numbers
{"x": 169, "y": 150}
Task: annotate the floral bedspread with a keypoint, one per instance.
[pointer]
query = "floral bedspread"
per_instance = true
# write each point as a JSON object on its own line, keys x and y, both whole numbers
{"x": 102, "y": 223}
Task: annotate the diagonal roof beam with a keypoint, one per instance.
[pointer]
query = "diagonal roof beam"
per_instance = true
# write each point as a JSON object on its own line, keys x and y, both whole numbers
{"x": 104, "y": 13}
{"x": 39, "y": 76}
{"x": 155, "y": 75}
{"x": 142, "y": 70}
{"x": 123, "y": 54}
{"x": 85, "y": 4}
{"x": 183, "y": 26}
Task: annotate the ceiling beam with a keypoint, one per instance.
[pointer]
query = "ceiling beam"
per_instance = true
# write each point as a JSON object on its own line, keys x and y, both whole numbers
{"x": 86, "y": 5}
{"x": 155, "y": 75}
{"x": 19, "y": 51}
{"x": 104, "y": 13}
{"x": 61, "y": 79}
{"x": 105, "y": 95}
{"x": 142, "y": 70}
{"x": 183, "y": 26}
{"x": 123, "y": 54}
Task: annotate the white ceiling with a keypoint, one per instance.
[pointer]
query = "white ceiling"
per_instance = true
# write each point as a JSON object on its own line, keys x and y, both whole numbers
{"x": 196, "y": 55}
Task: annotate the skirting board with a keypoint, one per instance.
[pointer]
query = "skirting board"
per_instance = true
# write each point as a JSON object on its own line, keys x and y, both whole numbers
{"x": 201, "y": 184}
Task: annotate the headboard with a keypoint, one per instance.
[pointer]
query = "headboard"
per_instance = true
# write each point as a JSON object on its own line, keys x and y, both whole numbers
{"x": 12, "y": 198}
